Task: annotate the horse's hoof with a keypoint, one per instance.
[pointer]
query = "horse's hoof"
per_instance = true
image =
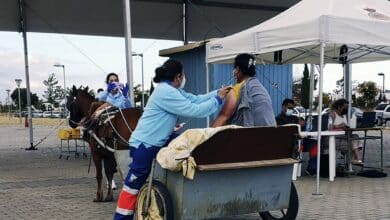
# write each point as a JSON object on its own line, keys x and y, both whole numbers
{"x": 97, "y": 200}
{"x": 109, "y": 199}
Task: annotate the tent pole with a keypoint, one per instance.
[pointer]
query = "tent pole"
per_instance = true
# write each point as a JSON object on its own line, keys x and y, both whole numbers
{"x": 185, "y": 22}
{"x": 22, "y": 21}
{"x": 129, "y": 53}
{"x": 207, "y": 88}
{"x": 312, "y": 71}
{"x": 322, "y": 47}
{"x": 348, "y": 87}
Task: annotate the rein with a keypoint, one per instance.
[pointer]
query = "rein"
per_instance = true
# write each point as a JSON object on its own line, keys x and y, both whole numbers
{"x": 116, "y": 131}
{"x": 81, "y": 122}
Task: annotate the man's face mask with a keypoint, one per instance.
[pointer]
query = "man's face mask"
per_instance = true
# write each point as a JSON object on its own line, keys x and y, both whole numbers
{"x": 183, "y": 82}
{"x": 289, "y": 112}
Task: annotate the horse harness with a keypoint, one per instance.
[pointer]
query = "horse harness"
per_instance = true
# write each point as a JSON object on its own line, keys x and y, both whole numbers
{"x": 104, "y": 121}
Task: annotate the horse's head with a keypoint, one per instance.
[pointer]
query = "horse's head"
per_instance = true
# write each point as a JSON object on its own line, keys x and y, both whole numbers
{"x": 78, "y": 103}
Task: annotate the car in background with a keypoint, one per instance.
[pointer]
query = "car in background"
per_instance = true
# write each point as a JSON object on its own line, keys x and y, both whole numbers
{"x": 300, "y": 111}
{"x": 55, "y": 114}
{"x": 37, "y": 114}
{"x": 51, "y": 114}
{"x": 18, "y": 114}
{"x": 23, "y": 114}
{"x": 357, "y": 111}
{"x": 382, "y": 113}
{"x": 64, "y": 114}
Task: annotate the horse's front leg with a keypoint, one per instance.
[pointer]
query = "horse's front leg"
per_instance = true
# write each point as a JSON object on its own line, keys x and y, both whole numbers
{"x": 97, "y": 159}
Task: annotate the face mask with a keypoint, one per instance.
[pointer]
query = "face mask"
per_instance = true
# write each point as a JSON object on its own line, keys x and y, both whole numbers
{"x": 289, "y": 112}
{"x": 183, "y": 82}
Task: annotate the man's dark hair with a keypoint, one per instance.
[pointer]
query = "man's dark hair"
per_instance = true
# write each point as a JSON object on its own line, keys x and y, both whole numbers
{"x": 288, "y": 101}
{"x": 246, "y": 63}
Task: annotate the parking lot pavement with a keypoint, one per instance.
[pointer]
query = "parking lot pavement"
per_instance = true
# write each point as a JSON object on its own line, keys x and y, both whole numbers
{"x": 39, "y": 185}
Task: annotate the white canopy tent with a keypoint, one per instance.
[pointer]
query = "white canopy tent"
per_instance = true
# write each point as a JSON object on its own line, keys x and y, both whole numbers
{"x": 317, "y": 32}
{"x": 361, "y": 24}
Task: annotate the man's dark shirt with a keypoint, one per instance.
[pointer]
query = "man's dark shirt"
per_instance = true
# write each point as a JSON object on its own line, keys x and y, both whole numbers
{"x": 283, "y": 119}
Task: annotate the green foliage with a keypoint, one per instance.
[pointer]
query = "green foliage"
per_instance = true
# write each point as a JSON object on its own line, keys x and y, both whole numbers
{"x": 368, "y": 92}
{"x": 339, "y": 86}
{"x": 305, "y": 88}
{"x": 138, "y": 94}
{"x": 296, "y": 89}
{"x": 23, "y": 98}
{"x": 52, "y": 93}
{"x": 326, "y": 100}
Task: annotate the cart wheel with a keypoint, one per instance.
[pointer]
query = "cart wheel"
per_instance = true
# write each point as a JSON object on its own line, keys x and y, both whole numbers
{"x": 285, "y": 214}
{"x": 160, "y": 200}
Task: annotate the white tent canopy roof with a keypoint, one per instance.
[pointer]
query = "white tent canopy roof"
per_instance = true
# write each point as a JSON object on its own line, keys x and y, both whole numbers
{"x": 363, "y": 25}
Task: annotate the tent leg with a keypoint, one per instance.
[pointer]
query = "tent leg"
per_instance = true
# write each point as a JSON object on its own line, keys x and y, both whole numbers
{"x": 348, "y": 87}
{"x": 129, "y": 51}
{"x": 312, "y": 71}
{"x": 22, "y": 21}
{"x": 322, "y": 48}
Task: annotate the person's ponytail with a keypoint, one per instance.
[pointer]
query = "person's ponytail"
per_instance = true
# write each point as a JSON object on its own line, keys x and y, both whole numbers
{"x": 168, "y": 71}
{"x": 160, "y": 74}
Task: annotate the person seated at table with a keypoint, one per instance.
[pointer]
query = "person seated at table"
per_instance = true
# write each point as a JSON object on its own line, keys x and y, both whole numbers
{"x": 309, "y": 145}
{"x": 248, "y": 104}
{"x": 286, "y": 115}
{"x": 339, "y": 109}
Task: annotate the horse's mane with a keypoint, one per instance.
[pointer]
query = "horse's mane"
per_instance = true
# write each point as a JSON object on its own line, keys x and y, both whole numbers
{"x": 82, "y": 89}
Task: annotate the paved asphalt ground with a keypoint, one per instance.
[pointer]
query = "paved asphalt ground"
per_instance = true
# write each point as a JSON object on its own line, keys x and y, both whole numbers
{"x": 39, "y": 185}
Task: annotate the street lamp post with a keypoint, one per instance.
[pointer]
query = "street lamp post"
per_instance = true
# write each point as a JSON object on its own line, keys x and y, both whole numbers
{"x": 142, "y": 72}
{"x": 8, "y": 102}
{"x": 18, "y": 82}
{"x": 383, "y": 85}
{"x": 63, "y": 70}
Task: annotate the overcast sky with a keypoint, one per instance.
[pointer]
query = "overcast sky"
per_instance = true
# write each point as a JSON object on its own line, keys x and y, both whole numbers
{"x": 88, "y": 59}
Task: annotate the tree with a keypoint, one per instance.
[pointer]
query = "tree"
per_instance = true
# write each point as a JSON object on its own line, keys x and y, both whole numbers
{"x": 23, "y": 98}
{"x": 138, "y": 94}
{"x": 296, "y": 89}
{"x": 339, "y": 86}
{"x": 368, "y": 92}
{"x": 305, "y": 88}
{"x": 51, "y": 94}
{"x": 326, "y": 100}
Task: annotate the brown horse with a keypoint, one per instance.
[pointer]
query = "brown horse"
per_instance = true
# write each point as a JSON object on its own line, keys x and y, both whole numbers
{"x": 103, "y": 138}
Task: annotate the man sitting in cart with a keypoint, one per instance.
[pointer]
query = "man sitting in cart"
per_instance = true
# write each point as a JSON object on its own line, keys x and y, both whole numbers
{"x": 249, "y": 103}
